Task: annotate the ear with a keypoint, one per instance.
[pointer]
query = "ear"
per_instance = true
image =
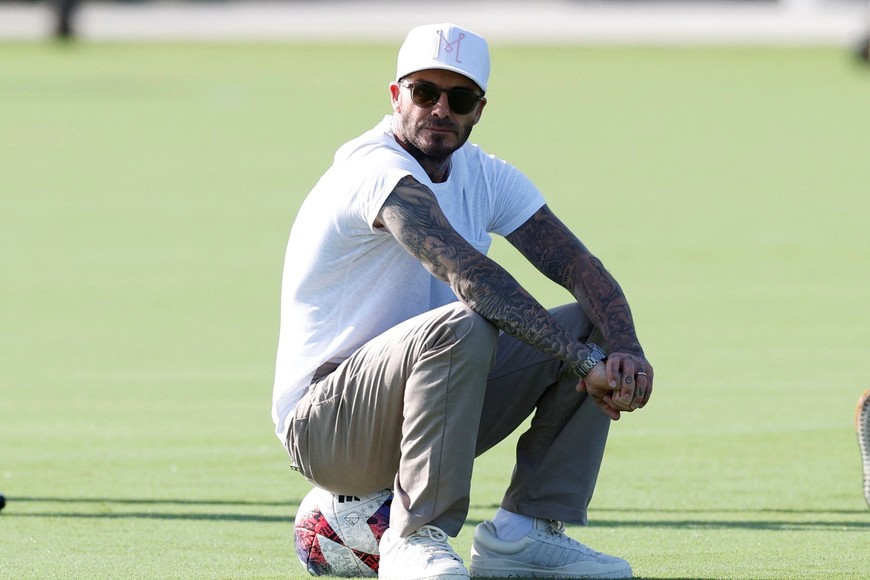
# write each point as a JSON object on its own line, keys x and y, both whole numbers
{"x": 479, "y": 111}
{"x": 394, "y": 96}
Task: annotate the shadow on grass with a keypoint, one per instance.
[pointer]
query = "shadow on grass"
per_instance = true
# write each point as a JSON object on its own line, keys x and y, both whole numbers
{"x": 289, "y": 510}
{"x": 287, "y": 517}
{"x": 711, "y": 510}
{"x": 153, "y": 501}
{"x": 691, "y": 519}
{"x": 712, "y": 524}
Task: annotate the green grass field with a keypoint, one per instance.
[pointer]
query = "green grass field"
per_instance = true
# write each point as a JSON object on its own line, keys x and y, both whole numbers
{"x": 146, "y": 193}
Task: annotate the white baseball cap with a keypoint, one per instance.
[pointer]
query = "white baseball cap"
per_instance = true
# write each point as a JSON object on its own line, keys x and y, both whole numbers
{"x": 445, "y": 47}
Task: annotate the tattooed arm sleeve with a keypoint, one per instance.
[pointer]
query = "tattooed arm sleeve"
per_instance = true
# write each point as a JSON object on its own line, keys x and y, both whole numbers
{"x": 412, "y": 215}
{"x": 548, "y": 244}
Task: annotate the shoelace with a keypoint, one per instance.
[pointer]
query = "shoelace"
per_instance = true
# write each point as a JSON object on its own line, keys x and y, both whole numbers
{"x": 556, "y": 527}
{"x": 433, "y": 541}
{"x": 557, "y": 531}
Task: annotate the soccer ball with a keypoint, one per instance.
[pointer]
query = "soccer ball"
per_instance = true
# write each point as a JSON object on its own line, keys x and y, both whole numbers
{"x": 338, "y": 535}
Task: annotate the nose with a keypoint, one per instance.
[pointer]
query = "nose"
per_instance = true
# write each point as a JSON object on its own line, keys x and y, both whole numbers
{"x": 441, "y": 107}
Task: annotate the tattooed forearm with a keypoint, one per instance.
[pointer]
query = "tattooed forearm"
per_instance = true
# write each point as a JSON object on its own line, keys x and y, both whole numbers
{"x": 411, "y": 213}
{"x": 602, "y": 298}
{"x": 546, "y": 242}
{"x": 493, "y": 293}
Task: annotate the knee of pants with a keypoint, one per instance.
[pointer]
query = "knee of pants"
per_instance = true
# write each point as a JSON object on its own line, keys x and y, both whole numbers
{"x": 572, "y": 317}
{"x": 472, "y": 331}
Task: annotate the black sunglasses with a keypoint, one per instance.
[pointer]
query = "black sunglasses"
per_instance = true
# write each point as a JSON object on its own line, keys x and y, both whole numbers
{"x": 426, "y": 95}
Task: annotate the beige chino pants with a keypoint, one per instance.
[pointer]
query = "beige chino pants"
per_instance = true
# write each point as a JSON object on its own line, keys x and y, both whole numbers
{"x": 413, "y": 407}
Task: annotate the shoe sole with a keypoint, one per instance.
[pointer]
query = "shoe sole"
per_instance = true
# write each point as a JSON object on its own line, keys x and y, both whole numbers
{"x": 434, "y": 577}
{"x": 862, "y": 428}
{"x": 503, "y": 574}
{"x": 514, "y": 571}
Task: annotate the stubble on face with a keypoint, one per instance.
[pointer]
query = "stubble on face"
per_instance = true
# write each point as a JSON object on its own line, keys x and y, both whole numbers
{"x": 433, "y": 137}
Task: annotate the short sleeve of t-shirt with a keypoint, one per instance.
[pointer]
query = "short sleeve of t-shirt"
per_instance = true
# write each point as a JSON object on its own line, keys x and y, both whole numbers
{"x": 512, "y": 211}
{"x": 371, "y": 188}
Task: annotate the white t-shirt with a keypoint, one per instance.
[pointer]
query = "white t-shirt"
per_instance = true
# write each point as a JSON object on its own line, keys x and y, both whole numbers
{"x": 346, "y": 282}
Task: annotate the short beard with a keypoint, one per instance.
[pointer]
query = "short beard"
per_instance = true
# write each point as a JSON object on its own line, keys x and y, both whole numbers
{"x": 430, "y": 151}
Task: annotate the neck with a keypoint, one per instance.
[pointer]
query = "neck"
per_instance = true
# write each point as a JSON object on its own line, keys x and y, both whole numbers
{"x": 438, "y": 170}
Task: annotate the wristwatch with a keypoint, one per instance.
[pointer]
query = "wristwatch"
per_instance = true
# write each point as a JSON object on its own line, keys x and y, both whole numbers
{"x": 595, "y": 356}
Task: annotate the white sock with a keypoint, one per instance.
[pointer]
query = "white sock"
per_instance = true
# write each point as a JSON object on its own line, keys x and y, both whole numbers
{"x": 510, "y": 526}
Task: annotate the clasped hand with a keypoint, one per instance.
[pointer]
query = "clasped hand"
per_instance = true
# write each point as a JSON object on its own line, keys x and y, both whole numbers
{"x": 622, "y": 383}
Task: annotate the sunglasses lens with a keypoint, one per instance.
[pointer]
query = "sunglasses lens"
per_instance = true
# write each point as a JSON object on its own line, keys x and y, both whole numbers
{"x": 461, "y": 101}
{"x": 425, "y": 95}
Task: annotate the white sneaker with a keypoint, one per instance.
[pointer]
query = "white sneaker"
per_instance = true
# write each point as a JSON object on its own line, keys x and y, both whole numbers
{"x": 862, "y": 428}
{"x": 545, "y": 552}
{"x": 424, "y": 555}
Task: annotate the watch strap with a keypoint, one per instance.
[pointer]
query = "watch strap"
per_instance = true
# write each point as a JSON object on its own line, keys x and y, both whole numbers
{"x": 595, "y": 356}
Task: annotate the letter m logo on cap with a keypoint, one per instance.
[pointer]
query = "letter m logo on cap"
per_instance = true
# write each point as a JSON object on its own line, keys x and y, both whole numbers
{"x": 448, "y": 48}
